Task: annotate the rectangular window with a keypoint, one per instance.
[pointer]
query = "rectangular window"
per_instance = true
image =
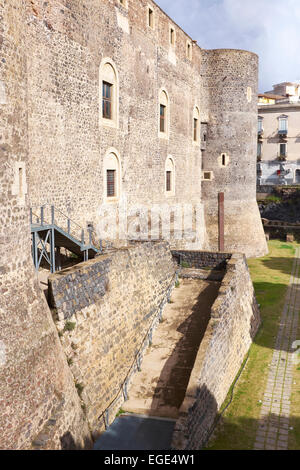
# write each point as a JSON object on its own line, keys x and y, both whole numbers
{"x": 283, "y": 124}
{"x": 162, "y": 118}
{"x": 259, "y": 125}
{"x": 111, "y": 180}
{"x": 282, "y": 150}
{"x": 168, "y": 181}
{"x": 195, "y": 130}
{"x": 107, "y": 100}
{"x": 150, "y": 18}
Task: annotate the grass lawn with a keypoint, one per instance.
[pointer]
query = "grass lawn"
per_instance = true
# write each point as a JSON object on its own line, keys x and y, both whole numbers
{"x": 237, "y": 428}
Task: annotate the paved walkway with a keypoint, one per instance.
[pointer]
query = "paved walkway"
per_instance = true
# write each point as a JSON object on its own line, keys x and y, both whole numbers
{"x": 273, "y": 428}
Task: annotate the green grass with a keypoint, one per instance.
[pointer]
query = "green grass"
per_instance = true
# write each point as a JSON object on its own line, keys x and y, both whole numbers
{"x": 270, "y": 275}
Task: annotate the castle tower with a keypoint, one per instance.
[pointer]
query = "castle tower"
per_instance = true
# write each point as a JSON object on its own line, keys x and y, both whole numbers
{"x": 230, "y": 81}
{"x": 35, "y": 381}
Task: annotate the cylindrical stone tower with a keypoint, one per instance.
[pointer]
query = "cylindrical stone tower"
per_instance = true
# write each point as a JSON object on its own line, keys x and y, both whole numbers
{"x": 230, "y": 80}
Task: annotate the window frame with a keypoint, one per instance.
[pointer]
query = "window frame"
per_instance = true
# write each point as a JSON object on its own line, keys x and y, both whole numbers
{"x": 150, "y": 18}
{"x": 164, "y": 101}
{"x": 109, "y": 76}
{"x": 112, "y": 163}
{"x": 170, "y": 176}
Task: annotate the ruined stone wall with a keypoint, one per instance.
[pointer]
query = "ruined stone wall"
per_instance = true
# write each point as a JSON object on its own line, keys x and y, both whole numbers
{"x": 230, "y": 81}
{"x": 107, "y": 309}
{"x": 39, "y": 405}
{"x": 67, "y": 144}
{"x": 234, "y": 322}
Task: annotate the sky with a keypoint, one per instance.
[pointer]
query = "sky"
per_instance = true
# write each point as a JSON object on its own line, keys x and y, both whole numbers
{"x": 271, "y": 28}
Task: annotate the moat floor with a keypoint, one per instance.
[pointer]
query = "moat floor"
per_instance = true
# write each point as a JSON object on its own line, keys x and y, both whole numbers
{"x": 137, "y": 433}
{"x": 159, "y": 389}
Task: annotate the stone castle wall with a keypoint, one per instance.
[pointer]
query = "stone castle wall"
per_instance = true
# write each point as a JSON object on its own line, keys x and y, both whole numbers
{"x": 68, "y": 41}
{"x": 107, "y": 309}
{"x": 68, "y": 141}
{"x": 35, "y": 382}
{"x": 232, "y": 132}
{"x": 234, "y": 322}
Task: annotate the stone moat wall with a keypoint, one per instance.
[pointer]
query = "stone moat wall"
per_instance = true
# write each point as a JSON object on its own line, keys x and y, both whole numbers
{"x": 106, "y": 310}
{"x": 234, "y": 322}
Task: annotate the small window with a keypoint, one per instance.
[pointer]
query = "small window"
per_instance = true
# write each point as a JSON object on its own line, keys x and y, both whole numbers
{"x": 189, "y": 50}
{"x": 196, "y": 130}
{"x": 172, "y": 36}
{"x": 107, "y": 100}
{"x": 283, "y": 124}
{"x": 162, "y": 118}
{"x": 207, "y": 175}
{"x": 170, "y": 177}
{"x": 108, "y": 94}
{"x": 223, "y": 160}
{"x": 282, "y": 150}
{"x": 260, "y": 124}
{"x": 111, "y": 183}
{"x": 168, "y": 181}
{"x": 21, "y": 170}
{"x": 164, "y": 115}
{"x": 150, "y": 18}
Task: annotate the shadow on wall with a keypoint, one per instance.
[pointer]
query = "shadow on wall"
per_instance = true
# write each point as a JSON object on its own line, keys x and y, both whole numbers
{"x": 199, "y": 412}
{"x": 175, "y": 375}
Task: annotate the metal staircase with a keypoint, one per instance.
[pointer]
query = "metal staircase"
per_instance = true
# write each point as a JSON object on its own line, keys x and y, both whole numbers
{"x": 52, "y": 230}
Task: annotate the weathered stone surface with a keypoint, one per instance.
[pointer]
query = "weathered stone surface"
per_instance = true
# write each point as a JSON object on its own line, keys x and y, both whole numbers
{"x": 234, "y": 322}
{"x": 113, "y": 302}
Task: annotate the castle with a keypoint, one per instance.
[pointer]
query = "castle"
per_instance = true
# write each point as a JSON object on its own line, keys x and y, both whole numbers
{"x": 103, "y": 102}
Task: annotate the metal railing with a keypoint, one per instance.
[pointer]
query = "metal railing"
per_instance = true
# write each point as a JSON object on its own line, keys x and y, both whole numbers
{"x": 49, "y": 215}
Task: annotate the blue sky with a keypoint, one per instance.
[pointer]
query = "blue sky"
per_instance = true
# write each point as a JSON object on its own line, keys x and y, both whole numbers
{"x": 271, "y": 28}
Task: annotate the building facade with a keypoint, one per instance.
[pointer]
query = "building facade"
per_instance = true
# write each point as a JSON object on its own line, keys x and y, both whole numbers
{"x": 278, "y": 147}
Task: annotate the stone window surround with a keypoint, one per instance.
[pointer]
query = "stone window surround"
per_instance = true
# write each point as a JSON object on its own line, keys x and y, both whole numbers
{"x": 110, "y": 76}
{"x": 189, "y": 50}
{"x": 196, "y": 115}
{"x": 112, "y": 161}
{"x": 207, "y": 172}
{"x": 163, "y": 98}
{"x": 172, "y": 36}
{"x": 150, "y": 17}
{"x": 170, "y": 166}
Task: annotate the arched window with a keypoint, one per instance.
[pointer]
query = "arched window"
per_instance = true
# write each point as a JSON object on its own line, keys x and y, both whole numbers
{"x": 196, "y": 126}
{"x": 109, "y": 93}
{"x": 112, "y": 176}
{"x": 170, "y": 177}
{"x": 164, "y": 114}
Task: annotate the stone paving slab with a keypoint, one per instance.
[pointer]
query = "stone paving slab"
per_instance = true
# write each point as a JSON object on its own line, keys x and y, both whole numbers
{"x": 272, "y": 432}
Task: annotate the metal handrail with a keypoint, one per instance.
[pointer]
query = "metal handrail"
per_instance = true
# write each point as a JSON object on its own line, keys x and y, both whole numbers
{"x": 42, "y": 220}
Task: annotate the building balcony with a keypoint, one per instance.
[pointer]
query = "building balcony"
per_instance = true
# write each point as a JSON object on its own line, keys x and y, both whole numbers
{"x": 282, "y": 132}
{"x": 281, "y": 157}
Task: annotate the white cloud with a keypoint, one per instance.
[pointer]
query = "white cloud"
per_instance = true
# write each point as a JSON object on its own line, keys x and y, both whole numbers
{"x": 271, "y": 28}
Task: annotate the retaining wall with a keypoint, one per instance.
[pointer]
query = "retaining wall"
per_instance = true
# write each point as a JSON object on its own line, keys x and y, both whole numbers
{"x": 106, "y": 311}
{"x": 234, "y": 322}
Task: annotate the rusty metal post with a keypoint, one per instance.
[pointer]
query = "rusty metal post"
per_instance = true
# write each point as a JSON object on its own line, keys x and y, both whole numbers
{"x": 221, "y": 221}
